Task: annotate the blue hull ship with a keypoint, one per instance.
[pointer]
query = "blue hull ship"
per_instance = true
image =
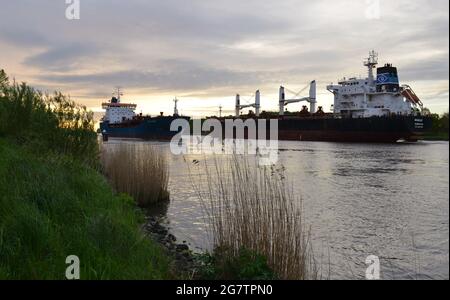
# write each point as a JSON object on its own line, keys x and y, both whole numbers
{"x": 120, "y": 121}
{"x": 147, "y": 128}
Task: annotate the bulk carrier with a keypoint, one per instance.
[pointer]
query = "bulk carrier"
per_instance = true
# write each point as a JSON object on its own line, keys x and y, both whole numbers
{"x": 372, "y": 109}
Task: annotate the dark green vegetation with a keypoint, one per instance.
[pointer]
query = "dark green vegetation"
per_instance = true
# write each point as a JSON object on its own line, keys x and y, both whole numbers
{"x": 439, "y": 130}
{"x": 54, "y": 202}
{"x": 246, "y": 265}
{"x": 52, "y": 123}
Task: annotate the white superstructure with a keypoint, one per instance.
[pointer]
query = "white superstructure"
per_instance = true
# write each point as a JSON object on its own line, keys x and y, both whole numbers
{"x": 117, "y": 112}
{"x": 380, "y": 96}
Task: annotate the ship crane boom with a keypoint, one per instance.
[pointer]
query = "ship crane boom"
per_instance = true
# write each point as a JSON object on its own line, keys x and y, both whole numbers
{"x": 256, "y": 105}
{"x": 311, "y": 98}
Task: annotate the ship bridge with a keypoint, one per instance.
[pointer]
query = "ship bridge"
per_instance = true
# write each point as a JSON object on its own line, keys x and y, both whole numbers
{"x": 367, "y": 97}
{"x": 117, "y": 112}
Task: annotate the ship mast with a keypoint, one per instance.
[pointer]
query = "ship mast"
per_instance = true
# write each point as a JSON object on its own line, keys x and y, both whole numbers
{"x": 175, "y": 109}
{"x": 118, "y": 92}
{"x": 370, "y": 63}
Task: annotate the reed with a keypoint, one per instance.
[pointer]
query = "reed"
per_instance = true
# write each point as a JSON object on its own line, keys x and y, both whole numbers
{"x": 253, "y": 208}
{"x": 138, "y": 170}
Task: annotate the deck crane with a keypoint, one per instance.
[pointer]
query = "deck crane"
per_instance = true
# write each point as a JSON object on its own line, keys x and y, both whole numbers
{"x": 256, "y": 105}
{"x": 311, "y": 98}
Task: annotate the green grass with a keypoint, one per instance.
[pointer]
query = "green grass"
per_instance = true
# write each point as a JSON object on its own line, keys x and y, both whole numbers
{"x": 246, "y": 265}
{"x": 52, "y": 206}
{"x": 55, "y": 203}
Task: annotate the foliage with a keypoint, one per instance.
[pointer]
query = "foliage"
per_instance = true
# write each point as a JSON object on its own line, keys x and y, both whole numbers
{"x": 46, "y": 122}
{"x": 440, "y": 122}
{"x": 246, "y": 265}
{"x": 54, "y": 202}
{"x": 440, "y": 127}
{"x": 52, "y": 206}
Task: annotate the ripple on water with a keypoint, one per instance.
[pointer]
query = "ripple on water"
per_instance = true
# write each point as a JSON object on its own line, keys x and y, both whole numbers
{"x": 360, "y": 199}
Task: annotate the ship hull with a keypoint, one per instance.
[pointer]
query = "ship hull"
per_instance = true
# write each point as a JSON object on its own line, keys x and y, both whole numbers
{"x": 354, "y": 130}
{"x": 157, "y": 128}
{"x": 327, "y": 129}
{"x": 348, "y": 137}
{"x": 363, "y": 130}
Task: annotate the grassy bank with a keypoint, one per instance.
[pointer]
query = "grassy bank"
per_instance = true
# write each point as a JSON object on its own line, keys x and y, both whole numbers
{"x": 52, "y": 206}
{"x": 54, "y": 202}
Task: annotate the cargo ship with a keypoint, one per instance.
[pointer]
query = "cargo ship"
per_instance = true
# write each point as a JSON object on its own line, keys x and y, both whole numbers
{"x": 374, "y": 109}
{"x": 121, "y": 121}
{"x": 370, "y": 110}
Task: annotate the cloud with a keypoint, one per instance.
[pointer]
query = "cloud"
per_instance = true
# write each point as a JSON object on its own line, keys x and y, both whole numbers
{"x": 215, "y": 46}
{"x": 64, "y": 58}
{"x": 23, "y": 38}
{"x": 172, "y": 75}
{"x": 433, "y": 68}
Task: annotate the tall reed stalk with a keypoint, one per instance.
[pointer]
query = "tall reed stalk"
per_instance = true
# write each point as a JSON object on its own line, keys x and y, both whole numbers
{"x": 252, "y": 207}
{"x": 138, "y": 170}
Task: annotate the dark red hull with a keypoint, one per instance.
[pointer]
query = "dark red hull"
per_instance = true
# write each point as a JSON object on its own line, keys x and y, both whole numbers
{"x": 361, "y": 130}
{"x": 348, "y": 136}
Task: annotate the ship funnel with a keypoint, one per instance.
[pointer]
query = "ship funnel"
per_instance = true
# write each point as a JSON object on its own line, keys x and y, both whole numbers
{"x": 238, "y": 105}
{"x": 257, "y": 103}
{"x": 312, "y": 97}
{"x": 281, "y": 101}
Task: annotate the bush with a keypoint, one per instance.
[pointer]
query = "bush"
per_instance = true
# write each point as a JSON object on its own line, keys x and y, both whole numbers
{"x": 47, "y": 123}
{"x": 246, "y": 265}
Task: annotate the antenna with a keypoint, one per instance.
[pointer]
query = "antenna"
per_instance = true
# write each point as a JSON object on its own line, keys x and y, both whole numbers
{"x": 220, "y": 111}
{"x": 118, "y": 92}
{"x": 370, "y": 63}
{"x": 175, "y": 109}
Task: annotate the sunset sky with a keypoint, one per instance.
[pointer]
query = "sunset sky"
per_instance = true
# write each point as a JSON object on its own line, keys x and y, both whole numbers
{"x": 206, "y": 51}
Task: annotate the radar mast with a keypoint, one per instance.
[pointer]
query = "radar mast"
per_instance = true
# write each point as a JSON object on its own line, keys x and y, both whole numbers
{"x": 118, "y": 92}
{"x": 371, "y": 63}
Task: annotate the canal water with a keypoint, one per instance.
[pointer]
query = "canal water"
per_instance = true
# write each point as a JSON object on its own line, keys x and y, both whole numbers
{"x": 388, "y": 200}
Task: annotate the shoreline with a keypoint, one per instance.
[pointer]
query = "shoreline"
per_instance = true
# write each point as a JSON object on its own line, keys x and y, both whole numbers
{"x": 183, "y": 258}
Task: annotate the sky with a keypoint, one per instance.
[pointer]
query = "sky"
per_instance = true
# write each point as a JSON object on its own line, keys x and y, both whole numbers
{"x": 205, "y": 51}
